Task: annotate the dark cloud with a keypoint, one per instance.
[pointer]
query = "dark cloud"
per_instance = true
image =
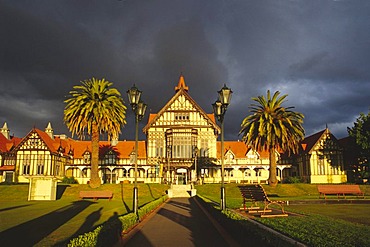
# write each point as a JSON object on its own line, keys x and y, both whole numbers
{"x": 314, "y": 51}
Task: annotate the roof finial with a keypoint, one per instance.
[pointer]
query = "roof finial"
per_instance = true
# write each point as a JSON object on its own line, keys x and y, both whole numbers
{"x": 181, "y": 84}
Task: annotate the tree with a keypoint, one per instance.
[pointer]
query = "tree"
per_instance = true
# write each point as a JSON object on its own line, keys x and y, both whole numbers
{"x": 94, "y": 108}
{"x": 360, "y": 132}
{"x": 272, "y": 127}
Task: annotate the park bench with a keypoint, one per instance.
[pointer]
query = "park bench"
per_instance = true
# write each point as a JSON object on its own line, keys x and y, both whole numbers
{"x": 96, "y": 194}
{"x": 255, "y": 194}
{"x": 340, "y": 190}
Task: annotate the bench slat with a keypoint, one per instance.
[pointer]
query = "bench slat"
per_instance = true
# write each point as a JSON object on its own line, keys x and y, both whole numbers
{"x": 256, "y": 193}
{"x": 96, "y": 194}
{"x": 348, "y": 189}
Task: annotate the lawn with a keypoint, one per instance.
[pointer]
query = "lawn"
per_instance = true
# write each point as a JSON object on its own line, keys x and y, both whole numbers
{"x": 50, "y": 222}
{"x": 47, "y": 223}
{"x": 319, "y": 225}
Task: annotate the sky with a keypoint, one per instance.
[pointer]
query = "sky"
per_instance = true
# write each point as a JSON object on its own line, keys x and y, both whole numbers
{"x": 316, "y": 52}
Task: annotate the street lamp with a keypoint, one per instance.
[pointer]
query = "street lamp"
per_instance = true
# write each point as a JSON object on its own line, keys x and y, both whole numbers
{"x": 138, "y": 107}
{"x": 169, "y": 175}
{"x": 219, "y": 109}
{"x": 195, "y": 162}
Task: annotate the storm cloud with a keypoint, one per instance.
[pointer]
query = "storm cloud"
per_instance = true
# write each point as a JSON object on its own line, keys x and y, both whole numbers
{"x": 317, "y": 52}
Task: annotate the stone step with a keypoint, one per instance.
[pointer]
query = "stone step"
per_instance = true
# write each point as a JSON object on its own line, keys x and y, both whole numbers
{"x": 181, "y": 191}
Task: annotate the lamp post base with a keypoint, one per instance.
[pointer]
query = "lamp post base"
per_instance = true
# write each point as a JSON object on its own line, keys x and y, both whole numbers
{"x": 135, "y": 200}
{"x": 223, "y": 202}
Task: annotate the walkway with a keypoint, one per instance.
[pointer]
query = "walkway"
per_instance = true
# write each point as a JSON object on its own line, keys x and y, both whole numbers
{"x": 180, "y": 222}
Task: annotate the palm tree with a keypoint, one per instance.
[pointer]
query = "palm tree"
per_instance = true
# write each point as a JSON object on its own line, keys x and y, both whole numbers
{"x": 94, "y": 108}
{"x": 272, "y": 127}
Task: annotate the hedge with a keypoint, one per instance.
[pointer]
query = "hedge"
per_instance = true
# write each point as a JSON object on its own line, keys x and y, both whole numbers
{"x": 110, "y": 232}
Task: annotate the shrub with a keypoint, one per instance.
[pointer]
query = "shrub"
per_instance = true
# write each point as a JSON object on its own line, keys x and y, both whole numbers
{"x": 69, "y": 180}
{"x": 292, "y": 180}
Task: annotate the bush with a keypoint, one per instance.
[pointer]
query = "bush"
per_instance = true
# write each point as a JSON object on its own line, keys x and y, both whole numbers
{"x": 69, "y": 180}
{"x": 293, "y": 180}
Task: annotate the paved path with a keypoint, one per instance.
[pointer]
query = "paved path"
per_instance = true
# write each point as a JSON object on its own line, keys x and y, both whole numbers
{"x": 180, "y": 222}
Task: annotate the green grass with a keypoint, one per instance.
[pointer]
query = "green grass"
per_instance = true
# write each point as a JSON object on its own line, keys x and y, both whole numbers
{"x": 73, "y": 216}
{"x": 68, "y": 216}
{"x": 321, "y": 225}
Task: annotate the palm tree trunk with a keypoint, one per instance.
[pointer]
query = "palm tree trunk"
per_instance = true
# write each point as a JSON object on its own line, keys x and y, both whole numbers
{"x": 272, "y": 174}
{"x": 95, "y": 181}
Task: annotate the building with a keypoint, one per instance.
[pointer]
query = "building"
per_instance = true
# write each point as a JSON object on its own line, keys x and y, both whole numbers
{"x": 181, "y": 146}
{"x": 320, "y": 159}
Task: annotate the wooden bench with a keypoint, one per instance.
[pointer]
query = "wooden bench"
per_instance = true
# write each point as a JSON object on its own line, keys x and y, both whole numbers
{"x": 95, "y": 194}
{"x": 256, "y": 195}
{"x": 340, "y": 190}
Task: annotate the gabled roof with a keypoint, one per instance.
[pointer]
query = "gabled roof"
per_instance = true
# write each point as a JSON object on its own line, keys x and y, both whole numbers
{"x": 181, "y": 89}
{"x": 7, "y": 145}
{"x": 123, "y": 149}
{"x": 52, "y": 144}
{"x": 239, "y": 149}
{"x": 309, "y": 142}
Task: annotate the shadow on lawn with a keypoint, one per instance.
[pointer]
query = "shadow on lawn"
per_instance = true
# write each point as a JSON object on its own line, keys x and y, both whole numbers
{"x": 85, "y": 227}
{"x": 10, "y": 208}
{"x": 123, "y": 200}
{"x": 33, "y": 231}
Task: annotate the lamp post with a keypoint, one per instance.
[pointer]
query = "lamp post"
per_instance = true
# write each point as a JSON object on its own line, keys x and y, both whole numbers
{"x": 195, "y": 163}
{"x": 138, "y": 107}
{"x": 169, "y": 175}
{"x": 219, "y": 109}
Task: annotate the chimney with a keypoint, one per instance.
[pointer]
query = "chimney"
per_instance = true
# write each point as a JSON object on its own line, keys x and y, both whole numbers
{"x": 114, "y": 141}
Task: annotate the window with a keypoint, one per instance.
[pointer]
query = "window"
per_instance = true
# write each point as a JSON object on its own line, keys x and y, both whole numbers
{"x": 57, "y": 169}
{"x": 58, "y": 164}
{"x": 204, "y": 172}
{"x": 320, "y": 166}
{"x": 158, "y": 148}
{"x": 87, "y": 157}
{"x": 110, "y": 158}
{"x": 204, "y": 148}
{"x": 40, "y": 165}
{"x": 26, "y": 164}
{"x": 184, "y": 116}
{"x": 26, "y": 169}
{"x": 40, "y": 169}
{"x": 84, "y": 173}
{"x": 182, "y": 147}
{"x": 132, "y": 157}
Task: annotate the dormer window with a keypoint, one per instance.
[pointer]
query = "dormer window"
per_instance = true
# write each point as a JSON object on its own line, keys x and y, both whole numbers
{"x": 110, "y": 158}
{"x": 87, "y": 157}
{"x": 132, "y": 157}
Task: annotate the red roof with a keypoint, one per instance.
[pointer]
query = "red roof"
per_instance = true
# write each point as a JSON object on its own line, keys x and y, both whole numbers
{"x": 6, "y": 145}
{"x": 239, "y": 149}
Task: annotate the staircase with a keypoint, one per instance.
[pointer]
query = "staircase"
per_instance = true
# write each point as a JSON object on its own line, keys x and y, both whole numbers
{"x": 185, "y": 190}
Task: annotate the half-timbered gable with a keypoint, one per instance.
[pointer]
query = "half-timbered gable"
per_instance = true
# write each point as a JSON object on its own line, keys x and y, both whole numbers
{"x": 179, "y": 128}
{"x": 39, "y": 154}
{"x": 321, "y": 159}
